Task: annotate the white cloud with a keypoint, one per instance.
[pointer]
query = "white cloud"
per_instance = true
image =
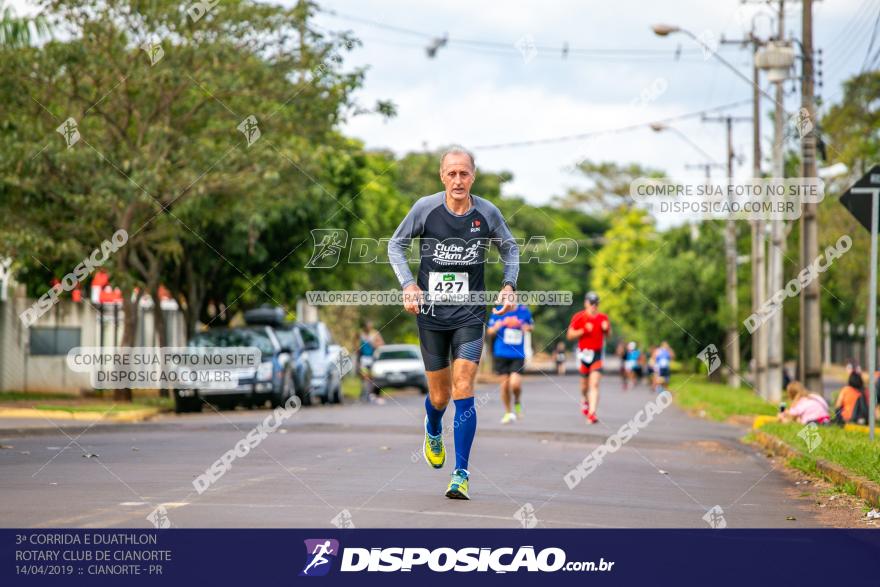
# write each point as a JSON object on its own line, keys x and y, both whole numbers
{"x": 479, "y": 97}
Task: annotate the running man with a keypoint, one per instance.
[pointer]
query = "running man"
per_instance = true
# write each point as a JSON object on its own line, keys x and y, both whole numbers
{"x": 560, "y": 358}
{"x": 509, "y": 354}
{"x": 319, "y": 552}
{"x": 367, "y": 341}
{"x": 631, "y": 367}
{"x": 455, "y": 230}
{"x": 663, "y": 356}
{"x": 590, "y": 327}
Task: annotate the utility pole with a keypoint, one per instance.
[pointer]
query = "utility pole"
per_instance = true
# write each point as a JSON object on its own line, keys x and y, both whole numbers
{"x": 731, "y": 336}
{"x": 760, "y": 337}
{"x": 810, "y": 359}
{"x": 758, "y": 255}
{"x": 706, "y": 168}
{"x": 776, "y": 253}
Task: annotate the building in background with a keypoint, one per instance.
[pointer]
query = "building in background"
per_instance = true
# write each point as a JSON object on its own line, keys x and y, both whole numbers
{"x": 34, "y": 358}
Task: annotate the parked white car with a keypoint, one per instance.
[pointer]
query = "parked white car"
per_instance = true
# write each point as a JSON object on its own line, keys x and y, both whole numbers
{"x": 398, "y": 365}
{"x": 329, "y": 362}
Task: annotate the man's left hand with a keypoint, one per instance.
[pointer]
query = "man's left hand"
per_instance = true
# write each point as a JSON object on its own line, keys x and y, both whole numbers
{"x": 506, "y": 299}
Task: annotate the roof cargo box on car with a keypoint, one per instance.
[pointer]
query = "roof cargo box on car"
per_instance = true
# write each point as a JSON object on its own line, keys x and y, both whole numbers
{"x": 265, "y": 315}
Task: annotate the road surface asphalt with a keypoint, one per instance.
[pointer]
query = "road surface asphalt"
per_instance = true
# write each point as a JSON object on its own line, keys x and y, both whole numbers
{"x": 360, "y": 465}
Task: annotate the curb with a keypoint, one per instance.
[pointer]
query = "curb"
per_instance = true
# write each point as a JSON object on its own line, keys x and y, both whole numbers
{"x": 124, "y": 416}
{"x": 865, "y": 488}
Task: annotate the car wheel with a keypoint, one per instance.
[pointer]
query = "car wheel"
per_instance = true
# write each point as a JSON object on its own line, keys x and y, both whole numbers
{"x": 280, "y": 397}
{"x": 186, "y": 404}
{"x": 423, "y": 389}
{"x": 336, "y": 394}
{"x": 225, "y": 404}
{"x": 306, "y": 397}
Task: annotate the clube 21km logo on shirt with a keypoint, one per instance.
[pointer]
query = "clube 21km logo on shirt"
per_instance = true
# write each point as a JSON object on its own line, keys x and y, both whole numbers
{"x": 321, "y": 555}
{"x": 455, "y": 252}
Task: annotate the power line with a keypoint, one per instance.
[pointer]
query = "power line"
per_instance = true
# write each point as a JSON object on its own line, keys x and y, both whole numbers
{"x": 847, "y": 29}
{"x": 579, "y": 58}
{"x": 560, "y": 50}
{"x": 838, "y": 59}
{"x": 871, "y": 45}
{"x": 622, "y": 129}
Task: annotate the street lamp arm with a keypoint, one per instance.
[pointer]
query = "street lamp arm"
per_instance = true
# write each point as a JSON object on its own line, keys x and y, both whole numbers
{"x": 664, "y": 30}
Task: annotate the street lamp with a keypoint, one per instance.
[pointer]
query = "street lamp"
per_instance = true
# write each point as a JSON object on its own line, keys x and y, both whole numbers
{"x": 662, "y": 30}
{"x": 660, "y": 127}
{"x": 732, "y": 334}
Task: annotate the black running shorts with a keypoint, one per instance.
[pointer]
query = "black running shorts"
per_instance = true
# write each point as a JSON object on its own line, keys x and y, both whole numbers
{"x": 462, "y": 343}
{"x": 505, "y": 366}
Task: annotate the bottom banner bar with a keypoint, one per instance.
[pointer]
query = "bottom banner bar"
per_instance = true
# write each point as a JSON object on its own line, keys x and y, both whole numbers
{"x": 397, "y": 557}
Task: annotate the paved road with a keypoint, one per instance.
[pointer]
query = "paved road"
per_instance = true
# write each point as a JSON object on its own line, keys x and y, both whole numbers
{"x": 364, "y": 459}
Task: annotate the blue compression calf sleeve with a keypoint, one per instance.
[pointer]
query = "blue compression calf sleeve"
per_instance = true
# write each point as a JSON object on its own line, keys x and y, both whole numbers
{"x": 435, "y": 418}
{"x": 465, "y": 429}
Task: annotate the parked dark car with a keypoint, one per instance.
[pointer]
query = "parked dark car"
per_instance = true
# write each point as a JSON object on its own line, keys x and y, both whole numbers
{"x": 297, "y": 339}
{"x": 272, "y": 380}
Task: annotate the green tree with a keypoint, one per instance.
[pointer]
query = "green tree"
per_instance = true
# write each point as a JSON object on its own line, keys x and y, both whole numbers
{"x": 681, "y": 290}
{"x": 630, "y": 243}
{"x": 159, "y": 101}
{"x": 609, "y": 185}
{"x": 19, "y": 31}
{"x": 849, "y": 129}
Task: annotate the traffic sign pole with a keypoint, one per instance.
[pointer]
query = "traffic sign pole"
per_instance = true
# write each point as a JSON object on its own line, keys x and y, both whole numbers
{"x": 872, "y": 304}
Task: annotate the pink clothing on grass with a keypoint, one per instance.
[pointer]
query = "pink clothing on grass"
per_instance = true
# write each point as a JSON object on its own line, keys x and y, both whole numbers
{"x": 811, "y": 408}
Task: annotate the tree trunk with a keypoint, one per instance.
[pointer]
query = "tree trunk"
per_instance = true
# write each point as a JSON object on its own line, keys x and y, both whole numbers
{"x": 129, "y": 333}
{"x": 193, "y": 293}
{"x": 159, "y": 326}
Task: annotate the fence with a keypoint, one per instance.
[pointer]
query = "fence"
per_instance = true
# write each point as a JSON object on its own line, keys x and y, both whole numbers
{"x": 34, "y": 358}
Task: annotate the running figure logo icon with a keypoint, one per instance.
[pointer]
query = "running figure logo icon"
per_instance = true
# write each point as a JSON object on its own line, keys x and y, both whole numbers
{"x": 320, "y": 552}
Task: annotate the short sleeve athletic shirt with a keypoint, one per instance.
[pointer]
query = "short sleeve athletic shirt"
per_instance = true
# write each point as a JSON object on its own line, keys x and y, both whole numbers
{"x": 452, "y": 251}
{"x": 510, "y": 342}
{"x": 593, "y": 337}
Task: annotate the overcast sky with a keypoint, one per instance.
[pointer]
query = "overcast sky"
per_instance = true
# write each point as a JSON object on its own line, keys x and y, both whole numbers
{"x": 617, "y": 73}
{"x": 482, "y": 95}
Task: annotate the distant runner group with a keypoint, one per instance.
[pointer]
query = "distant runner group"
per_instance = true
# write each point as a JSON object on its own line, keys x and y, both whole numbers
{"x": 655, "y": 365}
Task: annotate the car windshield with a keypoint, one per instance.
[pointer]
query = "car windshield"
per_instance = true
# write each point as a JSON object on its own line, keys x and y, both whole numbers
{"x": 287, "y": 338}
{"x": 231, "y": 338}
{"x": 310, "y": 339}
{"x": 397, "y": 354}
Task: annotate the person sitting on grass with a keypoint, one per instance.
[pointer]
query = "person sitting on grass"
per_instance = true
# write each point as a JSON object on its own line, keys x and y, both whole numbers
{"x": 877, "y": 395}
{"x": 805, "y": 407}
{"x": 848, "y": 404}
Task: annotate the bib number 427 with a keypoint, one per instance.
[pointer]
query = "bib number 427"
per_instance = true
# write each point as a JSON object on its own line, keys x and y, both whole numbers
{"x": 448, "y": 286}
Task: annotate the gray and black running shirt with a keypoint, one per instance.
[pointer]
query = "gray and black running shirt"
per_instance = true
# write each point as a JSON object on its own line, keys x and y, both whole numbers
{"x": 452, "y": 253}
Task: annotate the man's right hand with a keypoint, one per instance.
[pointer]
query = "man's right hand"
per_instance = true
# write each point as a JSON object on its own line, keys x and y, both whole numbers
{"x": 412, "y": 298}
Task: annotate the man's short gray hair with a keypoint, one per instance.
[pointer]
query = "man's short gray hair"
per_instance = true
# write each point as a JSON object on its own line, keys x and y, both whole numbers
{"x": 458, "y": 150}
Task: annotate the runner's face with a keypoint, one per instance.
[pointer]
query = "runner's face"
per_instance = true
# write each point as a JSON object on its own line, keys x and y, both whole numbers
{"x": 457, "y": 176}
{"x": 590, "y": 308}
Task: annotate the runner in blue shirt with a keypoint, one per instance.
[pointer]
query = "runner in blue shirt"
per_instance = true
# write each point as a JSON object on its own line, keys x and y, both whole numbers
{"x": 631, "y": 365}
{"x": 508, "y": 351}
{"x": 663, "y": 356}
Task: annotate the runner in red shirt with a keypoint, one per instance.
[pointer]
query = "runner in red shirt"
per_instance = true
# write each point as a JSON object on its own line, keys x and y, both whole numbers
{"x": 590, "y": 327}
